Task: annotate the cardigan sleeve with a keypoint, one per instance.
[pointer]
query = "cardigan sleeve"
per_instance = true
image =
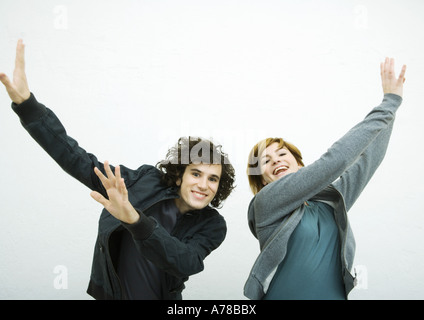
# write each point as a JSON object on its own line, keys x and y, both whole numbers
{"x": 281, "y": 197}
{"x": 353, "y": 181}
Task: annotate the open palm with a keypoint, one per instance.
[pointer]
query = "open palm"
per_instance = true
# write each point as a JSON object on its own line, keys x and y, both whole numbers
{"x": 117, "y": 203}
{"x": 18, "y": 88}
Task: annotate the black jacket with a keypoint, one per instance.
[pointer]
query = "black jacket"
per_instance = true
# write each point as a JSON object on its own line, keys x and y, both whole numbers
{"x": 180, "y": 254}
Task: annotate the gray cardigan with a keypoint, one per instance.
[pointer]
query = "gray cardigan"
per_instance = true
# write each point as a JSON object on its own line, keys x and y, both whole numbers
{"x": 337, "y": 178}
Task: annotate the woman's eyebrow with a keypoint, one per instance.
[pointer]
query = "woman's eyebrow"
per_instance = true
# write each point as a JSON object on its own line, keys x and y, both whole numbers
{"x": 267, "y": 154}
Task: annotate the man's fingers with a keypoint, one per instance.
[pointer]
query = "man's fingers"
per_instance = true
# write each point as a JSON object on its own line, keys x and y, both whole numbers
{"x": 102, "y": 178}
{"x": 20, "y": 56}
{"x": 118, "y": 173}
{"x": 109, "y": 172}
{"x": 5, "y": 80}
{"x": 119, "y": 181}
{"x": 99, "y": 198}
{"x": 122, "y": 187}
{"x": 10, "y": 88}
{"x": 109, "y": 180}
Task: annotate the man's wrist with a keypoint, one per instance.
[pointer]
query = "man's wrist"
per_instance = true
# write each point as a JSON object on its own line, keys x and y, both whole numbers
{"x": 133, "y": 217}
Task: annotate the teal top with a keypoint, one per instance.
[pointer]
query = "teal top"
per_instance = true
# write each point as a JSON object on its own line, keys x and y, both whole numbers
{"x": 311, "y": 269}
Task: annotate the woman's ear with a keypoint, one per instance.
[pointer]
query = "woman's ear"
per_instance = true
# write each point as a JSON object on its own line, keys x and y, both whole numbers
{"x": 263, "y": 181}
{"x": 178, "y": 182}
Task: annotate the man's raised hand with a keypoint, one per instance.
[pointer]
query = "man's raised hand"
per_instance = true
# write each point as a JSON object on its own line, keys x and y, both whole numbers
{"x": 18, "y": 88}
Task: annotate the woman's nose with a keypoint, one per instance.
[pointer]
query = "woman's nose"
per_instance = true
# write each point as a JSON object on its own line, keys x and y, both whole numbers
{"x": 275, "y": 160}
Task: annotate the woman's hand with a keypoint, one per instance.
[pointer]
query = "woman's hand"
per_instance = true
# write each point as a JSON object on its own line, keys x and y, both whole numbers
{"x": 18, "y": 88}
{"x": 391, "y": 84}
{"x": 117, "y": 204}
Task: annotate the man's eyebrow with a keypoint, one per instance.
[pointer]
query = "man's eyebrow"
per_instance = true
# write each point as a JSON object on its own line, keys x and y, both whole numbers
{"x": 216, "y": 176}
{"x": 200, "y": 171}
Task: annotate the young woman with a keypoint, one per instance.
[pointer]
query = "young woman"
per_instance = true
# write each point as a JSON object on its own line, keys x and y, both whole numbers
{"x": 299, "y": 213}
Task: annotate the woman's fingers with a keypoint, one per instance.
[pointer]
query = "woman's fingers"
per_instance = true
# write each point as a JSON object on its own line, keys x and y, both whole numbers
{"x": 387, "y": 68}
{"x": 391, "y": 66}
{"x": 391, "y": 83}
{"x": 401, "y": 78}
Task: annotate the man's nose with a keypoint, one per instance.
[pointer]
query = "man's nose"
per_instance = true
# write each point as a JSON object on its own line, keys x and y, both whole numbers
{"x": 203, "y": 183}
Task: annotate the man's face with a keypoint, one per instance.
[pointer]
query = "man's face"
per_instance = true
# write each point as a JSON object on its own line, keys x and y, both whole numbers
{"x": 198, "y": 186}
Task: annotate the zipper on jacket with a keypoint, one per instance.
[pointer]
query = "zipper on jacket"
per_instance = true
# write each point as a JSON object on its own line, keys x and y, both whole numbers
{"x": 123, "y": 294}
{"x": 344, "y": 240}
{"x": 115, "y": 274}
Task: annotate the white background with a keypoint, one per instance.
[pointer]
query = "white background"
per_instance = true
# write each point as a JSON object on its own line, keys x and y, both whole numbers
{"x": 128, "y": 78}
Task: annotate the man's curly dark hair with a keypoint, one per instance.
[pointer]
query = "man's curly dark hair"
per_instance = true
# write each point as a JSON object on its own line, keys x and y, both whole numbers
{"x": 194, "y": 150}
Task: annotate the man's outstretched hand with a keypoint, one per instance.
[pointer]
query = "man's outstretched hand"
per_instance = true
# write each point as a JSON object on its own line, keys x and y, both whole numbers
{"x": 18, "y": 88}
{"x": 117, "y": 204}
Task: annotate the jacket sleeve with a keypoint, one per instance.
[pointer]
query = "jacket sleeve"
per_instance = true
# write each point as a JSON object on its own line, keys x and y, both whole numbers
{"x": 47, "y": 130}
{"x": 180, "y": 258}
{"x": 279, "y": 198}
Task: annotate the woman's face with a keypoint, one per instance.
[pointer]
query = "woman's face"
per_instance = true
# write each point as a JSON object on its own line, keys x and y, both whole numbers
{"x": 277, "y": 162}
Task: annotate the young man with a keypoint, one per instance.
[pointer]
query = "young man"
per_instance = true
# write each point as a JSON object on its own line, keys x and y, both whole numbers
{"x": 158, "y": 224}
